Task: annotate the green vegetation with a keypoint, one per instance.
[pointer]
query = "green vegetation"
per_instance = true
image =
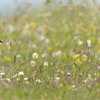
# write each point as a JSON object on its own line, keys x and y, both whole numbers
{"x": 51, "y": 55}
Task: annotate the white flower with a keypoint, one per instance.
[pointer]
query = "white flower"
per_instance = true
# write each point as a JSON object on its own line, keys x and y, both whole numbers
{"x": 45, "y": 63}
{"x": 44, "y": 55}
{"x": 85, "y": 81}
{"x": 33, "y": 63}
{"x": 2, "y": 74}
{"x": 73, "y": 86}
{"x": 18, "y": 55}
{"x": 8, "y": 79}
{"x": 25, "y": 79}
{"x": 58, "y": 53}
{"x": 14, "y": 76}
{"x": 35, "y": 55}
{"x": 68, "y": 73}
{"x": 89, "y": 43}
{"x": 80, "y": 42}
{"x": 21, "y": 73}
{"x": 47, "y": 41}
{"x": 41, "y": 38}
{"x": 57, "y": 78}
{"x": 38, "y": 81}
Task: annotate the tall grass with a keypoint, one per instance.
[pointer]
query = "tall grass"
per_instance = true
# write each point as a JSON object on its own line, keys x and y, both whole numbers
{"x": 51, "y": 55}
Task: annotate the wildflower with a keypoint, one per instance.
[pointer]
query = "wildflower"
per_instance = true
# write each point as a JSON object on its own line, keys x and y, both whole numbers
{"x": 8, "y": 46}
{"x": 47, "y": 41}
{"x": 45, "y": 63}
{"x": 76, "y": 56}
{"x": 18, "y": 79}
{"x": 8, "y": 79}
{"x": 89, "y": 43}
{"x": 25, "y": 79}
{"x": 18, "y": 55}
{"x": 21, "y": 73}
{"x": 72, "y": 88}
{"x": 80, "y": 42}
{"x": 2, "y": 74}
{"x": 57, "y": 78}
{"x": 61, "y": 85}
{"x": 44, "y": 55}
{"x": 85, "y": 81}
{"x": 59, "y": 53}
{"x": 84, "y": 57}
{"x": 49, "y": 48}
{"x": 27, "y": 82}
{"x": 38, "y": 81}
{"x": 14, "y": 76}
{"x": 42, "y": 38}
{"x": 35, "y": 55}
{"x": 78, "y": 61}
{"x": 6, "y": 58}
{"x": 33, "y": 25}
{"x": 68, "y": 73}
{"x": 33, "y": 63}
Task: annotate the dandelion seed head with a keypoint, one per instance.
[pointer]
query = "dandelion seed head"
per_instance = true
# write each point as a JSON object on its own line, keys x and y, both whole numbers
{"x": 25, "y": 79}
{"x": 21, "y": 73}
{"x": 38, "y": 81}
{"x": 45, "y": 63}
{"x": 33, "y": 63}
{"x": 89, "y": 43}
{"x": 80, "y": 42}
{"x": 35, "y": 55}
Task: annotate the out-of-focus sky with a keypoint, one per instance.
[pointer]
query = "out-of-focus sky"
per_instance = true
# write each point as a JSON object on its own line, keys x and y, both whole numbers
{"x": 8, "y": 6}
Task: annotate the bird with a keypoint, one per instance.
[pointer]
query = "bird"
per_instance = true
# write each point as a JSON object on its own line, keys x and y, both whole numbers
{"x": 1, "y": 41}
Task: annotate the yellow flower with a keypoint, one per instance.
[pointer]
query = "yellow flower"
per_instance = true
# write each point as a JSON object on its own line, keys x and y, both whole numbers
{"x": 76, "y": 56}
{"x": 84, "y": 57}
{"x": 9, "y": 47}
{"x": 72, "y": 88}
{"x": 49, "y": 48}
{"x": 62, "y": 72}
{"x": 78, "y": 61}
{"x": 7, "y": 58}
{"x": 33, "y": 25}
{"x": 18, "y": 79}
{"x": 27, "y": 82}
{"x": 61, "y": 85}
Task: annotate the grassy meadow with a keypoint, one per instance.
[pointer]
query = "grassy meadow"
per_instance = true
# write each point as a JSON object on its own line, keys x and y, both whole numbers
{"x": 51, "y": 55}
